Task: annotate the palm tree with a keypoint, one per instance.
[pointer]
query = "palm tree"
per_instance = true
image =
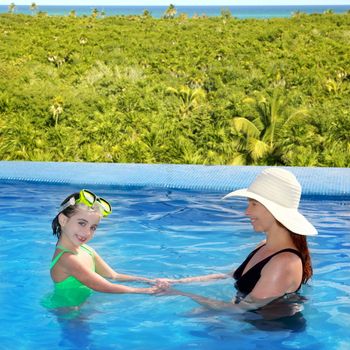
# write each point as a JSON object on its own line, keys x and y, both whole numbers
{"x": 226, "y": 14}
{"x": 56, "y": 109}
{"x": 72, "y": 13}
{"x": 83, "y": 40}
{"x": 170, "y": 12}
{"x": 12, "y": 7}
{"x": 259, "y": 136}
{"x": 183, "y": 17}
{"x": 328, "y": 12}
{"x": 95, "y": 12}
{"x": 146, "y": 14}
{"x": 298, "y": 14}
{"x": 190, "y": 99}
{"x": 33, "y": 7}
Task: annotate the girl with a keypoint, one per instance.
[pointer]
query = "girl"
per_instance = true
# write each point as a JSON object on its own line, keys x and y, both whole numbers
{"x": 76, "y": 269}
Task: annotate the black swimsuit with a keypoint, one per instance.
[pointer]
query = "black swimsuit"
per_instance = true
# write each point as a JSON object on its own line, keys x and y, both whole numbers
{"x": 245, "y": 283}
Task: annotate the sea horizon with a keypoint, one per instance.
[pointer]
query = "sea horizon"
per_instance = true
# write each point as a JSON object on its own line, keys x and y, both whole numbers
{"x": 247, "y": 11}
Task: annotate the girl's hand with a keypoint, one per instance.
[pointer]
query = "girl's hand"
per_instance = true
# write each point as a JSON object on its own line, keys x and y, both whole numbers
{"x": 163, "y": 285}
{"x": 159, "y": 288}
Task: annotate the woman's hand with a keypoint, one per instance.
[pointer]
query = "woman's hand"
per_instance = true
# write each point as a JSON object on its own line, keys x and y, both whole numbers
{"x": 159, "y": 288}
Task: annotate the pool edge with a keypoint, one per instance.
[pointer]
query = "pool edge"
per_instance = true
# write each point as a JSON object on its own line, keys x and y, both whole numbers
{"x": 314, "y": 180}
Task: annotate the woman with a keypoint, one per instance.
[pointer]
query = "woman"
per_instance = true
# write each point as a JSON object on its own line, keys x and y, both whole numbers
{"x": 280, "y": 263}
{"x": 77, "y": 269}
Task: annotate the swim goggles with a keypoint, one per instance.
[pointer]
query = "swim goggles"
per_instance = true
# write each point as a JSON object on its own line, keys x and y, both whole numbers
{"x": 89, "y": 199}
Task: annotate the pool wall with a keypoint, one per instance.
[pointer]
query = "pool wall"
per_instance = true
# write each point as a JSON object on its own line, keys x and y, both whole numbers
{"x": 314, "y": 181}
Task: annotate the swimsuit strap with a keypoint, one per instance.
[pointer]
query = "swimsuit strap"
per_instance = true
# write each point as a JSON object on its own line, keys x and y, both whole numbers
{"x": 64, "y": 250}
{"x": 239, "y": 271}
{"x": 263, "y": 262}
{"x": 58, "y": 256}
{"x": 87, "y": 249}
{"x": 289, "y": 250}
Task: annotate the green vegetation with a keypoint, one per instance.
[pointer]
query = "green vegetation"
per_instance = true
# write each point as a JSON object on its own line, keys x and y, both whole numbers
{"x": 175, "y": 90}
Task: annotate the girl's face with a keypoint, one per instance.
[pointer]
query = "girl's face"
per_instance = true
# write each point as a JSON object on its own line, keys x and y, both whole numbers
{"x": 261, "y": 219}
{"x": 80, "y": 227}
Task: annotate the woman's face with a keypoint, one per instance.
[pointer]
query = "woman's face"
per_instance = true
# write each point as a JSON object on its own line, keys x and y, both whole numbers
{"x": 80, "y": 227}
{"x": 260, "y": 218}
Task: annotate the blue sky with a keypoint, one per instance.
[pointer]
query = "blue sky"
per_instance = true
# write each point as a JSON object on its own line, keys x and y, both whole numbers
{"x": 177, "y": 2}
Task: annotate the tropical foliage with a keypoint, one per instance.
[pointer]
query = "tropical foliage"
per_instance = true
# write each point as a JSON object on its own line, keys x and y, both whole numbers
{"x": 175, "y": 90}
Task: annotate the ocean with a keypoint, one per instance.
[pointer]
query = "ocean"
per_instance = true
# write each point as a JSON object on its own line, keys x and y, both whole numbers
{"x": 158, "y": 11}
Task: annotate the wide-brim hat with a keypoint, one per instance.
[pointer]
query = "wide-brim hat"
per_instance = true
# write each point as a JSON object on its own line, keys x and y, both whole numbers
{"x": 279, "y": 191}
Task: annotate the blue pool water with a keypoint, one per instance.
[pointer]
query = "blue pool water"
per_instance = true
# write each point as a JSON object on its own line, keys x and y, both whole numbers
{"x": 164, "y": 233}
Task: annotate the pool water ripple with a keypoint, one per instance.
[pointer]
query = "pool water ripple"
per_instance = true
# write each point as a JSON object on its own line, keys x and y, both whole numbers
{"x": 162, "y": 233}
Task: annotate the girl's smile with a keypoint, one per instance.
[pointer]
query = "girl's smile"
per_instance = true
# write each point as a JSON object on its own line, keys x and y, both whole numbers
{"x": 79, "y": 228}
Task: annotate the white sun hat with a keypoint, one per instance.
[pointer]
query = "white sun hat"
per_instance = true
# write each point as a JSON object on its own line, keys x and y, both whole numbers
{"x": 279, "y": 191}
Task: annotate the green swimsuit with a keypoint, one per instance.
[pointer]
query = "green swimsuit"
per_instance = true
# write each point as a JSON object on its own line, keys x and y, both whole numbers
{"x": 69, "y": 292}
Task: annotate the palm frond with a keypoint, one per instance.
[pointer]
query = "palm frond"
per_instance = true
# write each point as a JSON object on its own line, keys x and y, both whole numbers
{"x": 258, "y": 149}
{"x": 245, "y": 126}
{"x": 239, "y": 160}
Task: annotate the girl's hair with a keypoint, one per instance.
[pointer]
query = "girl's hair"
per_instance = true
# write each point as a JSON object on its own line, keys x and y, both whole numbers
{"x": 301, "y": 244}
{"x": 69, "y": 212}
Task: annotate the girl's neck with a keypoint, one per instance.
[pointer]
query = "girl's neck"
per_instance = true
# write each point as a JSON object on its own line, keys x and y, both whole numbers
{"x": 64, "y": 243}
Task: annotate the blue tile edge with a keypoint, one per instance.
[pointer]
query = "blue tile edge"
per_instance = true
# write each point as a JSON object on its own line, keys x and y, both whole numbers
{"x": 314, "y": 180}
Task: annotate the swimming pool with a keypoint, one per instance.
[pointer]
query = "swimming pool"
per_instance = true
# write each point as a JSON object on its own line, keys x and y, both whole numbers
{"x": 171, "y": 231}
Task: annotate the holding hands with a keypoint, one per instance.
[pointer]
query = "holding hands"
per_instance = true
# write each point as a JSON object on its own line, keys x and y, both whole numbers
{"x": 159, "y": 287}
{"x": 164, "y": 284}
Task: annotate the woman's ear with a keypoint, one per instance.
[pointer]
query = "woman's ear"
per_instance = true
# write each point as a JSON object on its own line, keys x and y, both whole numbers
{"x": 62, "y": 219}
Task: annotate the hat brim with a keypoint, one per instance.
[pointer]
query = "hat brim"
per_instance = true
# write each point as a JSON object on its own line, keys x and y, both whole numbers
{"x": 292, "y": 219}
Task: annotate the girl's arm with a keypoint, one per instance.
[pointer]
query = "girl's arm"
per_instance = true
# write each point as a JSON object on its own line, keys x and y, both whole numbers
{"x": 103, "y": 269}
{"x": 73, "y": 267}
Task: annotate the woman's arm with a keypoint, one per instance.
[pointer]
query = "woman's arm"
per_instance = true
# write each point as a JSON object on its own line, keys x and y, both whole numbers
{"x": 246, "y": 304}
{"x": 203, "y": 278}
{"x": 280, "y": 276}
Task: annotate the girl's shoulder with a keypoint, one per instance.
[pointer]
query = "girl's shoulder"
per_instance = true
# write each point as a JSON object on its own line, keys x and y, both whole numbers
{"x": 88, "y": 249}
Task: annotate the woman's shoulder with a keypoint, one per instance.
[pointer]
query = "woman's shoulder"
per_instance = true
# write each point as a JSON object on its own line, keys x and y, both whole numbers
{"x": 260, "y": 244}
{"x": 288, "y": 254}
{"x": 286, "y": 261}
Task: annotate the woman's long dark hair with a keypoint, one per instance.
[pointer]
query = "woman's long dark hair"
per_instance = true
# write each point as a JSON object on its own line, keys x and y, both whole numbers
{"x": 300, "y": 242}
{"x": 69, "y": 211}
